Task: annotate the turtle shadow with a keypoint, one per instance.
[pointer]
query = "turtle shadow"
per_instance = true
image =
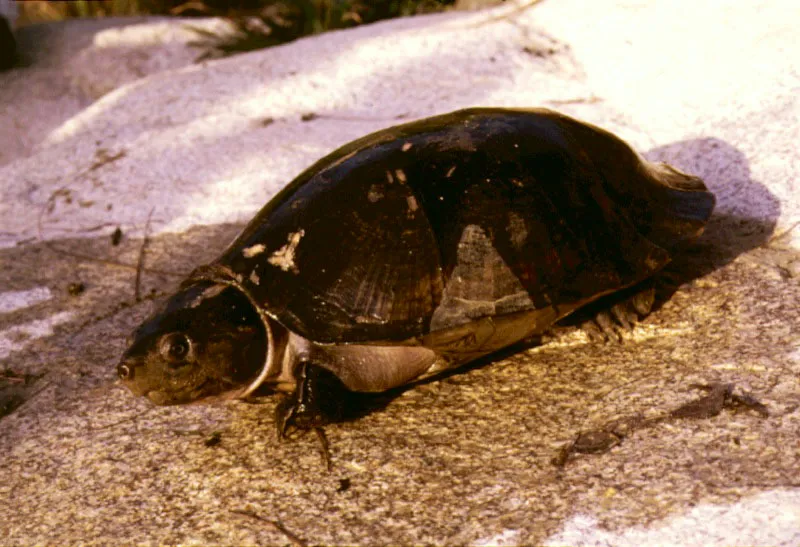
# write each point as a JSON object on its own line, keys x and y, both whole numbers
{"x": 744, "y": 218}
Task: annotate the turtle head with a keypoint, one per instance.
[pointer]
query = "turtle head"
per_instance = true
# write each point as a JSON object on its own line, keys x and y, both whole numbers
{"x": 208, "y": 340}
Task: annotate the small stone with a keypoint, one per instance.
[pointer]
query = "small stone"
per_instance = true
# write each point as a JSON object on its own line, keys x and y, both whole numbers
{"x": 75, "y": 289}
{"x": 116, "y": 236}
{"x": 214, "y": 439}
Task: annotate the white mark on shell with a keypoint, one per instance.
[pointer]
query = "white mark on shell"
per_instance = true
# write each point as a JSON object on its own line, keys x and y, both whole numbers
{"x": 283, "y": 258}
{"x": 653, "y": 262}
{"x": 518, "y": 183}
{"x": 254, "y": 250}
{"x": 210, "y": 292}
{"x": 406, "y": 147}
{"x": 517, "y": 231}
{"x": 374, "y": 193}
{"x": 482, "y": 284}
{"x": 412, "y": 205}
{"x": 450, "y": 172}
{"x": 400, "y": 174}
{"x": 516, "y": 145}
{"x": 254, "y": 278}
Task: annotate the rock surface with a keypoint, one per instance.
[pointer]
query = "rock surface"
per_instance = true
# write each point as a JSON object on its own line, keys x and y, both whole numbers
{"x": 64, "y": 66}
{"x": 189, "y": 152}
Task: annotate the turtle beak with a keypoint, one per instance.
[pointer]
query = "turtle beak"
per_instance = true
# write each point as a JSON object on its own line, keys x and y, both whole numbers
{"x": 127, "y": 372}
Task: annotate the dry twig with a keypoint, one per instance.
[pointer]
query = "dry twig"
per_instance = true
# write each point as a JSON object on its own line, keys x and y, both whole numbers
{"x": 295, "y": 540}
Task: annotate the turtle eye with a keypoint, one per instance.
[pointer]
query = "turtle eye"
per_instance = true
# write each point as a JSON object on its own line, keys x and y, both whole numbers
{"x": 175, "y": 348}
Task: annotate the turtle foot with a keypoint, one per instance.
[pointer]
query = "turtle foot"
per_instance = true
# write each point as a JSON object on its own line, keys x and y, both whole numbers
{"x": 316, "y": 401}
{"x": 611, "y": 323}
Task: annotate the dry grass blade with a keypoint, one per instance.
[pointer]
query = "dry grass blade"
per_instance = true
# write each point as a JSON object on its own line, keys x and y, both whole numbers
{"x": 140, "y": 262}
{"x": 509, "y": 14}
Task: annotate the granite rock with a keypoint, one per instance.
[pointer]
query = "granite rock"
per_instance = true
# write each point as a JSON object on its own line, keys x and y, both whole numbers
{"x": 186, "y": 154}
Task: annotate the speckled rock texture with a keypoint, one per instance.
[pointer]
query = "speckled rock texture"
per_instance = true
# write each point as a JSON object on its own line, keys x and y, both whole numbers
{"x": 187, "y": 153}
{"x": 61, "y": 68}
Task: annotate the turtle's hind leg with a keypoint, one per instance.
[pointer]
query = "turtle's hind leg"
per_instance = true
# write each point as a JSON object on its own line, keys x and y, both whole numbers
{"x": 609, "y": 318}
{"x": 624, "y": 314}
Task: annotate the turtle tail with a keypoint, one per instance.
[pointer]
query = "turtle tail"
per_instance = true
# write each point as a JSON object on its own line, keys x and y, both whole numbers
{"x": 679, "y": 206}
{"x": 668, "y": 207}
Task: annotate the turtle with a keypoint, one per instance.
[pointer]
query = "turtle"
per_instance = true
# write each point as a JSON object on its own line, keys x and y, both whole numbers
{"x": 411, "y": 251}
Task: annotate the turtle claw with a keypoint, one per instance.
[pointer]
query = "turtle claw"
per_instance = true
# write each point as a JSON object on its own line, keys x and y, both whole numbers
{"x": 315, "y": 402}
{"x": 288, "y": 417}
{"x": 284, "y": 416}
{"x": 300, "y": 410}
{"x": 625, "y": 315}
{"x": 610, "y": 325}
{"x": 609, "y": 330}
{"x": 642, "y": 301}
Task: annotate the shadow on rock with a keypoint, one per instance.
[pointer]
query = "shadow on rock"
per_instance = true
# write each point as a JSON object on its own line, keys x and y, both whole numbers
{"x": 735, "y": 227}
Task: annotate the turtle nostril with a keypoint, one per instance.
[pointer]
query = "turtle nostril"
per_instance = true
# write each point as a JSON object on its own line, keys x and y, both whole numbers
{"x": 125, "y": 372}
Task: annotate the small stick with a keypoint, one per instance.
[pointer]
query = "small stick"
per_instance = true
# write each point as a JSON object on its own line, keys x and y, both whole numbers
{"x": 296, "y": 541}
{"x": 778, "y": 237}
{"x": 510, "y": 13}
{"x": 13, "y": 379}
{"x": 140, "y": 262}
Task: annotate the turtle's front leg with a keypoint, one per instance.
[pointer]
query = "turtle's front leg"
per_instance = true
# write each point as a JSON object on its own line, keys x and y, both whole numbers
{"x": 317, "y": 400}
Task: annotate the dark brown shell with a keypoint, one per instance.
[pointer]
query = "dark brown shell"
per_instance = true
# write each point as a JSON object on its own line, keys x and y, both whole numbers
{"x": 476, "y": 213}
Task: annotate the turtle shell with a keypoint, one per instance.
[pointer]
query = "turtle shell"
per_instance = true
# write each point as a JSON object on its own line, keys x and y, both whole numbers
{"x": 477, "y": 213}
